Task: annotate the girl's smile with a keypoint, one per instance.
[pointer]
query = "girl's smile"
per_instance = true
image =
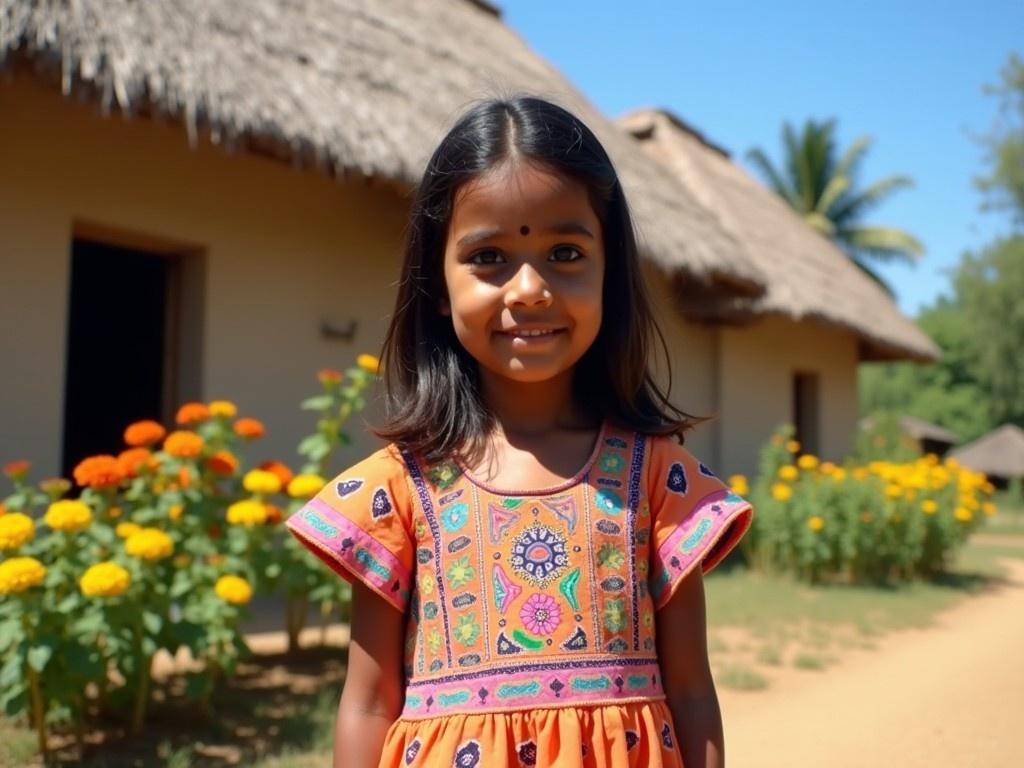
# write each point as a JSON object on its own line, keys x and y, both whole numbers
{"x": 525, "y": 298}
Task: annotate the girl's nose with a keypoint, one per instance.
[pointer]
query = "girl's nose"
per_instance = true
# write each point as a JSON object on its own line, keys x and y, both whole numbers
{"x": 527, "y": 288}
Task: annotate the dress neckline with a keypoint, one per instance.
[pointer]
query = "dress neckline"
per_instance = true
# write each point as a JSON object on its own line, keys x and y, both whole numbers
{"x": 564, "y": 485}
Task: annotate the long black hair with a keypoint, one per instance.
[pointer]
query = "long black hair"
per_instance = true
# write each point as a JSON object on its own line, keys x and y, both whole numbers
{"x": 434, "y": 405}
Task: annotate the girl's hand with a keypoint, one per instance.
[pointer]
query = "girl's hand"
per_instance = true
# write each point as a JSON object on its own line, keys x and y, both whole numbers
{"x": 373, "y": 695}
{"x": 686, "y": 675}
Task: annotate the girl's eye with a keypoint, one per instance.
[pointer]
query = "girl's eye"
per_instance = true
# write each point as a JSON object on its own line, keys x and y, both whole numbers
{"x": 566, "y": 253}
{"x": 485, "y": 257}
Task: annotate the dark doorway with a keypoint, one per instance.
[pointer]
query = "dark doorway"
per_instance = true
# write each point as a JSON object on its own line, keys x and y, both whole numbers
{"x": 117, "y": 356}
{"x": 805, "y": 412}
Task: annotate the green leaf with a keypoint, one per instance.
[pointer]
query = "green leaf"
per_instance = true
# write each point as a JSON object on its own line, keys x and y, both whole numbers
{"x": 153, "y": 622}
{"x": 39, "y": 656}
{"x": 316, "y": 403}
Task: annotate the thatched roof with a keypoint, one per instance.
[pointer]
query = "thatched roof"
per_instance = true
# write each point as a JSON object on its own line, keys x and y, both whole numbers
{"x": 919, "y": 429}
{"x": 356, "y": 87}
{"x": 809, "y": 278}
{"x": 1000, "y": 453}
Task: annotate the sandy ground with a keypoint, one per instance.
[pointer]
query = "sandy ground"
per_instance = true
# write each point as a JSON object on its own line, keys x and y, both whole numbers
{"x": 948, "y": 695}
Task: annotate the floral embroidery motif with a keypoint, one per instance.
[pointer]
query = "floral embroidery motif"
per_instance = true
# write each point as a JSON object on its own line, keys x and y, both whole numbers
{"x": 412, "y": 750}
{"x": 468, "y": 755}
{"x": 454, "y": 517}
{"x": 434, "y": 641}
{"x": 381, "y": 505}
{"x": 500, "y": 518}
{"x": 612, "y": 463}
{"x": 427, "y": 584}
{"x": 541, "y": 614}
{"x": 610, "y": 556}
{"x": 615, "y": 615}
{"x": 568, "y": 589}
{"x": 460, "y": 572}
{"x": 677, "y": 479}
{"x": 608, "y": 501}
{"x": 527, "y": 754}
{"x": 443, "y": 476}
{"x": 467, "y": 630}
{"x": 538, "y": 555}
{"x": 348, "y": 487}
{"x": 666, "y": 736}
{"x": 565, "y": 510}
{"x": 505, "y": 591}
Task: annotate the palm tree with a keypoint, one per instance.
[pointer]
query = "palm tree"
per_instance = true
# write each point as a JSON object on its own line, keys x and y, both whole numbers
{"x": 822, "y": 190}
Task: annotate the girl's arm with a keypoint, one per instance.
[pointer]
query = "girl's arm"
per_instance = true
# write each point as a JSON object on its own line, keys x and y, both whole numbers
{"x": 373, "y": 695}
{"x": 683, "y": 655}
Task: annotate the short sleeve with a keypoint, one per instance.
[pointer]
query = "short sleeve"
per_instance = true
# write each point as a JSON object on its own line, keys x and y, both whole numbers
{"x": 359, "y": 524}
{"x": 695, "y": 518}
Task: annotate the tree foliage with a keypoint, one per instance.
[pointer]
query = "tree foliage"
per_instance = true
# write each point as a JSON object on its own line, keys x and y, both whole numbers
{"x": 824, "y": 189}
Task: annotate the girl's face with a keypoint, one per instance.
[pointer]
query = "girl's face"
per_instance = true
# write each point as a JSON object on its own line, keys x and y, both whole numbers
{"x": 524, "y": 268}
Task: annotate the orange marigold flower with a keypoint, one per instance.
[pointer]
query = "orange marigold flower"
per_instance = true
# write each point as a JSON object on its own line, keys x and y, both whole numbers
{"x": 184, "y": 478}
{"x": 132, "y": 459}
{"x": 279, "y": 469}
{"x": 330, "y": 376}
{"x": 145, "y": 432}
{"x": 192, "y": 413}
{"x": 183, "y": 444}
{"x": 274, "y": 514}
{"x": 17, "y": 469}
{"x": 99, "y": 472}
{"x": 223, "y": 463}
{"x": 252, "y": 429}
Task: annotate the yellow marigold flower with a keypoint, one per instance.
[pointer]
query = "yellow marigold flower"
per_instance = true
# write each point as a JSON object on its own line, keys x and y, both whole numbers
{"x": 106, "y": 579}
{"x": 248, "y": 512}
{"x": 738, "y": 484}
{"x": 839, "y": 474}
{"x": 792, "y": 446}
{"x": 893, "y": 491}
{"x": 224, "y": 408}
{"x": 816, "y": 523}
{"x": 16, "y": 529}
{"x": 233, "y": 589}
{"x": 963, "y": 514}
{"x": 127, "y": 528}
{"x": 175, "y": 511}
{"x": 929, "y": 507}
{"x": 369, "y": 363}
{"x": 150, "y": 544}
{"x": 788, "y": 472}
{"x": 827, "y": 467}
{"x": 261, "y": 481}
{"x": 305, "y": 486}
{"x": 988, "y": 508}
{"x": 807, "y": 461}
{"x": 183, "y": 444}
{"x": 20, "y": 573}
{"x": 68, "y": 515}
{"x": 279, "y": 469}
{"x": 781, "y": 492}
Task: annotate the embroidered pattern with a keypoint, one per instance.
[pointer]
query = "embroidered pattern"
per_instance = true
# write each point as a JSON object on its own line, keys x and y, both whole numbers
{"x": 539, "y": 555}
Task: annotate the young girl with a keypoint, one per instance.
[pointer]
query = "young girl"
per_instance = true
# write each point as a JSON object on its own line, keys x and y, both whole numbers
{"x": 526, "y": 553}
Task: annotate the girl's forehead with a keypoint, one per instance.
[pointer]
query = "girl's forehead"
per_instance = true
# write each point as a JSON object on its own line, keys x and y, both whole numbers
{"x": 517, "y": 194}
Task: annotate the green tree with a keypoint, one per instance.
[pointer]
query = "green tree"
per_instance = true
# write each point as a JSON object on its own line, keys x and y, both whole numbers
{"x": 823, "y": 188}
{"x": 1003, "y": 185}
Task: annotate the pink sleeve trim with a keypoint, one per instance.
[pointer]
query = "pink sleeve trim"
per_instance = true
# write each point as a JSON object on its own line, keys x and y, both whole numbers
{"x": 350, "y": 551}
{"x": 714, "y": 528}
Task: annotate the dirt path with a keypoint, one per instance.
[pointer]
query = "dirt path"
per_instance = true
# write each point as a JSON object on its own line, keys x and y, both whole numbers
{"x": 949, "y": 695}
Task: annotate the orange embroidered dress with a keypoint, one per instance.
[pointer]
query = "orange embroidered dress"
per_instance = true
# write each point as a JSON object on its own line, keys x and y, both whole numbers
{"x": 530, "y": 633}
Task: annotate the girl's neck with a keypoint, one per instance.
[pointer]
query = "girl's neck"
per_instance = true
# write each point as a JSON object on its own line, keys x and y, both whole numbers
{"x": 533, "y": 409}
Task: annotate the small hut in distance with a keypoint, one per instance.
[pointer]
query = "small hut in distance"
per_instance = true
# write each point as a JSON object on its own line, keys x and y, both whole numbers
{"x": 999, "y": 454}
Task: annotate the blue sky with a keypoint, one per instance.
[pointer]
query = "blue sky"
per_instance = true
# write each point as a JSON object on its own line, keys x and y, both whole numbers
{"x": 910, "y": 74}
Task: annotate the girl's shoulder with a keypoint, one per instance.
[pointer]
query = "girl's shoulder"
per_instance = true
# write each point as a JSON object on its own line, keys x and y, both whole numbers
{"x": 383, "y": 465}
